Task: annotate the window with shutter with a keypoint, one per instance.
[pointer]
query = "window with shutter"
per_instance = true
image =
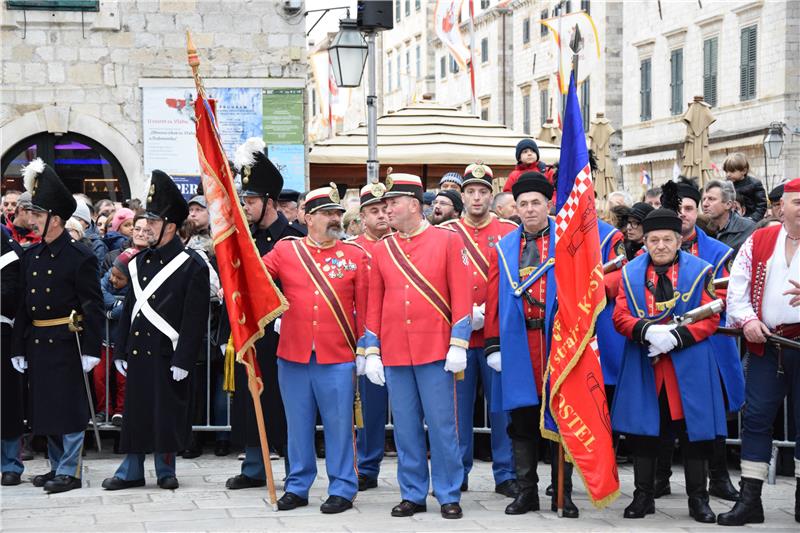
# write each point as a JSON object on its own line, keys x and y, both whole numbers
{"x": 585, "y": 112}
{"x": 710, "y": 71}
{"x": 676, "y": 81}
{"x": 526, "y": 31}
{"x": 485, "y": 50}
{"x": 397, "y": 10}
{"x": 542, "y": 27}
{"x": 389, "y": 75}
{"x": 419, "y": 62}
{"x": 443, "y": 67}
{"x": 645, "y": 109}
{"x": 526, "y": 113}
{"x": 585, "y": 5}
{"x": 747, "y": 67}
{"x": 544, "y": 105}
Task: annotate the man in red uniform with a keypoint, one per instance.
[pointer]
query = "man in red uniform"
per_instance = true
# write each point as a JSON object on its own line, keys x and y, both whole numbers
{"x": 520, "y": 304}
{"x": 480, "y": 231}
{"x": 418, "y": 325}
{"x": 371, "y": 438}
{"x": 669, "y": 379}
{"x": 325, "y": 281}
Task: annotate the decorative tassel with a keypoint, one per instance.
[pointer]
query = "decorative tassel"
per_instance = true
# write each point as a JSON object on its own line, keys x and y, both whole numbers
{"x": 358, "y": 413}
{"x": 228, "y": 383}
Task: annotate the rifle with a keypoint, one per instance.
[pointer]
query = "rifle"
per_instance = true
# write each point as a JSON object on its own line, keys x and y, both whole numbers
{"x": 721, "y": 283}
{"x": 695, "y": 315}
{"x": 615, "y": 264}
{"x": 783, "y": 342}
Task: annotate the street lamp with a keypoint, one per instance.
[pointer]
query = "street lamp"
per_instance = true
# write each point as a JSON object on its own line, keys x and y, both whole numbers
{"x": 773, "y": 140}
{"x": 348, "y": 52}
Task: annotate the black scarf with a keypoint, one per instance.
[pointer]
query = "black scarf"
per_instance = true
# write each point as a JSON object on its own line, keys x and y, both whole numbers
{"x": 530, "y": 256}
{"x": 664, "y": 289}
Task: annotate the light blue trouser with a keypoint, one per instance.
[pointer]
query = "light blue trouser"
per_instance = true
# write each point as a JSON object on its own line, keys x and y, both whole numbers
{"x": 502, "y": 460}
{"x": 425, "y": 394}
{"x": 132, "y": 467}
{"x": 11, "y": 455}
{"x": 306, "y": 388}
{"x": 370, "y": 439}
{"x": 65, "y": 452}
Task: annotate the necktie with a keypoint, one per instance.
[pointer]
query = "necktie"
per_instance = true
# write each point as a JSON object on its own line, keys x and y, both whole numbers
{"x": 664, "y": 289}
{"x": 530, "y": 252}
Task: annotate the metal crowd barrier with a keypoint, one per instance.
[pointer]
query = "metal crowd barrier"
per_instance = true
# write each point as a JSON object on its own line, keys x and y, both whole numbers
{"x": 484, "y": 429}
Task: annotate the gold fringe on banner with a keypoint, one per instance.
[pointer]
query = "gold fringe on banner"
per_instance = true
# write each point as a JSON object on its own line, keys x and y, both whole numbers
{"x": 228, "y": 383}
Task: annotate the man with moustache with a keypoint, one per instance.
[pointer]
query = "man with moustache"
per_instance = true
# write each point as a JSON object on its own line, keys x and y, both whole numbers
{"x": 325, "y": 282}
{"x": 371, "y": 438}
{"x": 418, "y": 326}
{"x": 448, "y": 205}
{"x": 261, "y": 186}
{"x": 480, "y": 231}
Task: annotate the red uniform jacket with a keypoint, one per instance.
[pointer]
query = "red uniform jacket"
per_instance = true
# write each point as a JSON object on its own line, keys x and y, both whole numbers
{"x": 309, "y": 323}
{"x": 632, "y": 327}
{"x": 538, "y": 292}
{"x": 612, "y": 279}
{"x": 402, "y": 324}
{"x": 480, "y": 241}
{"x": 366, "y": 242}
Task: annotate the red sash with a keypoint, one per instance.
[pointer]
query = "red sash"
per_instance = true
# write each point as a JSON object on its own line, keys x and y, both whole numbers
{"x": 422, "y": 285}
{"x": 474, "y": 252}
{"x": 763, "y": 247}
{"x": 326, "y": 290}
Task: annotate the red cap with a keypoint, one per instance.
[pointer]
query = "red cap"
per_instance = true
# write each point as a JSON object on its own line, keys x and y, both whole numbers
{"x": 792, "y": 186}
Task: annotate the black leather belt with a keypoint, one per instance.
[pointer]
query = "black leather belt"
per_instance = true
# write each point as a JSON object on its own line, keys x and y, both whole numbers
{"x": 534, "y": 323}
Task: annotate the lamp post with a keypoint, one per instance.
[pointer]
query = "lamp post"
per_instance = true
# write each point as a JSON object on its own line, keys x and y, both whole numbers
{"x": 773, "y": 140}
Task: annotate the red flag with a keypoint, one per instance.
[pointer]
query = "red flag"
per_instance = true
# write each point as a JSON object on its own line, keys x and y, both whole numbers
{"x": 251, "y": 297}
{"x": 577, "y": 413}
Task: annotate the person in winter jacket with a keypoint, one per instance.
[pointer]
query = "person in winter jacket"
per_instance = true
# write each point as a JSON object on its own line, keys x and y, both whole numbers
{"x": 749, "y": 189}
{"x": 527, "y": 154}
{"x": 121, "y": 229}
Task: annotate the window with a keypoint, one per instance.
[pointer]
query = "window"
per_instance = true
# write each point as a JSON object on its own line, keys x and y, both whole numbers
{"x": 419, "y": 62}
{"x": 484, "y": 4}
{"x": 544, "y": 104}
{"x": 526, "y": 31}
{"x": 676, "y": 81}
{"x": 542, "y": 28}
{"x": 397, "y": 10}
{"x": 417, "y": 4}
{"x": 55, "y": 5}
{"x": 645, "y": 105}
{"x": 453, "y": 65}
{"x": 389, "y": 75}
{"x": 399, "y": 60}
{"x": 747, "y": 68}
{"x": 526, "y": 111}
{"x": 710, "y": 47}
{"x": 585, "y": 100}
{"x": 585, "y": 5}
{"x": 408, "y": 8}
{"x": 485, "y": 50}
{"x": 443, "y": 67}
{"x": 568, "y": 6}
{"x": 408, "y": 62}
{"x": 485, "y": 109}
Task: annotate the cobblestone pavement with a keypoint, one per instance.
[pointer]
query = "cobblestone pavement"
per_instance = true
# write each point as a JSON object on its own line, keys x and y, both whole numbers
{"x": 203, "y": 504}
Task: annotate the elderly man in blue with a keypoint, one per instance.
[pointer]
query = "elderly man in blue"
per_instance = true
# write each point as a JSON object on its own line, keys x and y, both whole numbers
{"x": 669, "y": 378}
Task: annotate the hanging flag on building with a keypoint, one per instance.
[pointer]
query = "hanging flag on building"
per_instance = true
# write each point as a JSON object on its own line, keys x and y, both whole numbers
{"x": 576, "y": 411}
{"x": 647, "y": 181}
{"x": 445, "y": 20}
{"x": 563, "y": 28}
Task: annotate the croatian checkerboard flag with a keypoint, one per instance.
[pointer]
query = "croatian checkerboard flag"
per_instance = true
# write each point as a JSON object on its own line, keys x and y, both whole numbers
{"x": 576, "y": 413}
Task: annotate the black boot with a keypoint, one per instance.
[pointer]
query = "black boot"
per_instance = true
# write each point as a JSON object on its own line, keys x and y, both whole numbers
{"x": 644, "y": 474}
{"x": 525, "y": 459}
{"x": 570, "y": 509}
{"x": 695, "y": 472}
{"x": 719, "y": 481}
{"x": 663, "y": 468}
{"x": 748, "y": 509}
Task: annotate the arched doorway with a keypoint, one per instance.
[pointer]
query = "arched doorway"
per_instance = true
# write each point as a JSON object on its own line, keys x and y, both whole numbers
{"x": 85, "y": 165}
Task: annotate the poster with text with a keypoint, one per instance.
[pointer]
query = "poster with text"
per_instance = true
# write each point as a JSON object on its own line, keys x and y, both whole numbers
{"x": 290, "y": 161}
{"x": 168, "y": 131}
{"x": 239, "y": 115}
{"x": 284, "y": 121}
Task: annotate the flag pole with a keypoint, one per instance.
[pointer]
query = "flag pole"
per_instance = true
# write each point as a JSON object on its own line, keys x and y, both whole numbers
{"x": 560, "y": 501}
{"x": 252, "y": 382}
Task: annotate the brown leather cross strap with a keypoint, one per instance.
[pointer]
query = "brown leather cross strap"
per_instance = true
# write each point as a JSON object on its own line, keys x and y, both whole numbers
{"x": 474, "y": 252}
{"x": 422, "y": 285}
{"x": 326, "y": 290}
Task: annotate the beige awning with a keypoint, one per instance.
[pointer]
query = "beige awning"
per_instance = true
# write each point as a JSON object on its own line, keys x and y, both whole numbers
{"x": 429, "y": 134}
{"x": 751, "y": 140}
{"x": 649, "y": 157}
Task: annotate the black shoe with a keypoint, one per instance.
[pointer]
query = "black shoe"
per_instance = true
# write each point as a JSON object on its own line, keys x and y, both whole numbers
{"x": 10, "y": 479}
{"x": 222, "y": 448}
{"x": 335, "y": 505}
{"x": 549, "y": 490}
{"x": 290, "y": 501}
{"x": 641, "y": 506}
{"x": 451, "y": 511}
{"x": 115, "y": 483}
{"x": 192, "y": 453}
{"x": 508, "y": 488}
{"x": 366, "y": 482}
{"x": 39, "y": 481}
{"x": 168, "y": 483}
{"x": 701, "y": 511}
{"x": 116, "y": 420}
{"x": 527, "y": 500}
{"x": 644, "y": 474}
{"x": 696, "y": 473}
{"x": 408, "y": 508}
{"x": 464, "y": 486}
{"x": 570, "y": 509}
{"x": 244, "y": 482}
{"x": 748, "y": 510}
{"x": 62, "y": 483}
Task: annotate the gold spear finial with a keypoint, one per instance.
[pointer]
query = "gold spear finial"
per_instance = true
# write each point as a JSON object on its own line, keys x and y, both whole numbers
{"x": 191, "y": 51}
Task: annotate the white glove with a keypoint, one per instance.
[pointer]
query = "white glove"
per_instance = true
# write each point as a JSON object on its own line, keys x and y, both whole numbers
{"x": 19, "y": 363}
{"x": 494, "y": 361}
{"x": 653, "y": 351}
{"x": 88, "y": 362}
{"x": 478, "y": 317}
{"x": 178, "y": 373}
{"x": 456, "y": 360}
{"x": 277, "y": 326}
{"x": 122, "y": 366}
{"x": 361, "y": 363}
{"x": 373, "y": 369}
{"x": 661, "y": 338}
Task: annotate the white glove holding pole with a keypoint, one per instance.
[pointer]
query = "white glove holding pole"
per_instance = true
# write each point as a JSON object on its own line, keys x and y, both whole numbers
{"x": 456, "y": 360}
{"x": 373, "y": 369}
{"x": 122, "y": 366}
{"x": 494, "y": 361}
{"x": 277, "y": 326}
{"x": 88, "y": 363}
{"x": 19, "y": 363}
{"x": 361, "y": 363}
{"x": 478, "y": 317}
{"x": 178, "y": 374}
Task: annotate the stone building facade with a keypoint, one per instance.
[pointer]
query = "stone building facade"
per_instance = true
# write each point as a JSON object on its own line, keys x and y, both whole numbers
{"x": 80, "y": 76}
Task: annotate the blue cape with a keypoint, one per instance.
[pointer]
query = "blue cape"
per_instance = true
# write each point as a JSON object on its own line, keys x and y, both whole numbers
{"x": 609, "y": 341}
{"x": 635, "y": 409}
